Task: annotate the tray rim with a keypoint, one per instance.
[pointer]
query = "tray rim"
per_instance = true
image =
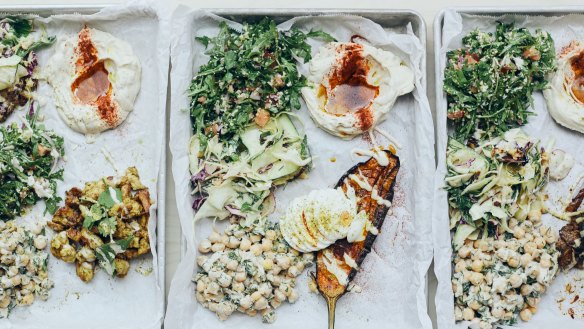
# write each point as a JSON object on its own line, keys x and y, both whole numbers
{"x": 420, "y": 33}
{"x": 89, "y": 9}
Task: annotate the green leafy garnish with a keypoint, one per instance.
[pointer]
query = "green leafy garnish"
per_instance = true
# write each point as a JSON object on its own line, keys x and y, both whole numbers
{"x": 107, "y": 226}
{"x": 106, "y": 198}
{"x": 106, "y": 254}
{"x": 489, "y": 82}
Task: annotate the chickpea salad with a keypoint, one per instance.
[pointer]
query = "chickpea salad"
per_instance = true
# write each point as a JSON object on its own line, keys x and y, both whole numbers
{"x": 23, "y": 266}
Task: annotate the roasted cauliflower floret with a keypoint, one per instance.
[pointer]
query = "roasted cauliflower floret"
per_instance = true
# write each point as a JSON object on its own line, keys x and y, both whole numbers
{"x": 85, "y": 254}
{"x": 92, "y": 190}
{"x": 64, "y": 218}
{"x": 122, "y": 266}
{"x": 133, "y": 178}
{"x": 90, "y": 239}
{"x": 85, "y": 271}
{"x": 61, "y": 248}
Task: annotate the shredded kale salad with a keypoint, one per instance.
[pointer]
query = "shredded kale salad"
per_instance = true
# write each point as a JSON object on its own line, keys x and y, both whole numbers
{"x": 244, "y": 142}
{"x": 29, "y": 157}
{"x": 489, "y": 82}
{"x": 18, "y": 62}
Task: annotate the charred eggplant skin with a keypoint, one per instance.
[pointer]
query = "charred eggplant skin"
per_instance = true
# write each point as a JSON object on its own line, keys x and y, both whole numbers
{"x": 381, "y": 178}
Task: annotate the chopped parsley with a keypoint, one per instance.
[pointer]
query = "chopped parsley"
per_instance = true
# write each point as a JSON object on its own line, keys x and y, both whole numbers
{"x": 489, "y": 82}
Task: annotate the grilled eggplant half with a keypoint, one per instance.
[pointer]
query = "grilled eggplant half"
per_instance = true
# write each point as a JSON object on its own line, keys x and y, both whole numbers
{"x": 374, "y": 198}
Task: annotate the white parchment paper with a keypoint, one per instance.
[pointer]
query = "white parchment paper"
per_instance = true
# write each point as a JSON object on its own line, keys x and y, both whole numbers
{"x": 551, "y": 313}
{"x": 393, "y": 275}
{"x": 136, "y": 301}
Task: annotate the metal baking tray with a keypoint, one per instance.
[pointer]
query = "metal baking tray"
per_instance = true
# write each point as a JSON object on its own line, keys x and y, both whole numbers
{"x": 441, "y": 103}
{"x": 47, "y": 10}
{"x": 387, "y": 18}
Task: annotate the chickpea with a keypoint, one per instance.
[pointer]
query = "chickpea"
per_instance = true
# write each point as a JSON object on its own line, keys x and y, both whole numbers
{"x": 464, "y": 252}
{"x": 483, "y": 245}
{"x": 245, "y": 244}
{"x": 513, "y": 262}
{"x": 476, "y": 278}
{"x": 526, "y": 289}
{"x": 214, "y": 237}
{"x": 545, "y": 261}
{"x": 233, "y": 242}
{"x": 40, "y": 242}
{"x": 533, "y": 301}
{"x": 457, "y": 314}
{"x": 265, "y": 289}
{"x": 293, "y": 271}
{"x": 245, "y": 302}
{"x": 533, "y": 309}
{"x": 525, "y": 260}
{"x": 224, "y": 280}
{"x": 283, "y": 262}
{"x": 267, "y": 245}
{"x": 477, "y": 265}
{"x": 238, "y": 286}
{"x": 4, "y": 302}
{"x": 293, "y": 296}
{"x": 213, "y": 288}
{"x": 224, "y": 239}
{"x": 279, "y": 296}
{"x": 460, "y": 266}
{"x": 538, "y": 287}
{"x": 217, "y": 247}
{"x": 300, "y": 266}
{"x": 201, "y": 286}
{"x": 256, "y": 295}
{"x": 205, "y": 246}
{"x": 267, "y": 264}
{"x": 518, "y": 232}
{"x": 515, "y": 280}
{"x": 275, "y": 303}
{"x": 27, "y": 300}
{"x": 255, "y": 238}
{"x": 534, "y": 215}
{"x": 468, "y": 314}
{"x": 497, "y": 313}
{"x": 475, "y": 305}
{"x": 530, "y": 248}
{"x": 525, "y": 314}
{"x": 271, "y": 234}
{"x": 260, "y": 304}
{"x": 240, "y": 276}
{"x": 256, "y": 249}
{"x": 201, "y": 260}
{"x": 232, "y": 265}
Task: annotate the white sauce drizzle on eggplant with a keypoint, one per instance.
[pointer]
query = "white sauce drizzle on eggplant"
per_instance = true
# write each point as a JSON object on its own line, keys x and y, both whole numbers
{"x": 332, "y": 265}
